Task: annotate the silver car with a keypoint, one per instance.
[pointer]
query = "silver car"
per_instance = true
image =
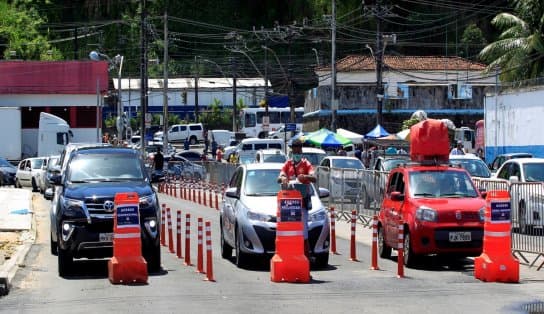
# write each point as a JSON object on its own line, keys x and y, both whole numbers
{"x": 248, "y": 216}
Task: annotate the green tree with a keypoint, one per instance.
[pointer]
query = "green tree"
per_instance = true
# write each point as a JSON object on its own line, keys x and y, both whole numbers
{"x": 20, "y": 36}
{"x": 472, "y": 37}
{"x": 519, "y": 50}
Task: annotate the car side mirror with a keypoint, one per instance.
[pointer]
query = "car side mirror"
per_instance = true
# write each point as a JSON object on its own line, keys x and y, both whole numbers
{"x": 483, "y": 194}
{"x": 232, "y": 192}
{"x": 55, "y": 179}
{"x": 323, "y": 193}
{"x": 397, "y": 196}
{"x": 513, "y": 179}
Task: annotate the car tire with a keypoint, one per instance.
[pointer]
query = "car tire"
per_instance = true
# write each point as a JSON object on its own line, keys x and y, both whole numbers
{"x": 53, "y": 245}
{"x": 241, "y": 257}
{"x": 152, "y": 255}
{"x": 384, "y": 250}
{"x": 65, "y": 262}
{"x": 18, "y": 184}
{"x": 34, "y": 185}
{"x": 321, "y": 260}
{"x": 226, "y": 249}
{"x": 410, "y": 258}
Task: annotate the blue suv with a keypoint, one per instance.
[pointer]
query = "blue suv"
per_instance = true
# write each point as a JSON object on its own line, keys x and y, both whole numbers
{"x": 82, "y": 220}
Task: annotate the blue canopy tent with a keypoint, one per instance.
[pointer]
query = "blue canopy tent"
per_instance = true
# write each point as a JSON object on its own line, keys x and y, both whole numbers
{"x": 326, "y": 139}
{"x": 377, "y": 132}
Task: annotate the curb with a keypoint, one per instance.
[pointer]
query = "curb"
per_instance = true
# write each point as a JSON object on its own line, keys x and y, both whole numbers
{"x": 8, "y": 270}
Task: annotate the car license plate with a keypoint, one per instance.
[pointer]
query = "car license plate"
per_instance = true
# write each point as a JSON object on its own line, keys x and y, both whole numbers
{"x": 460, "y": 236}
{"x": 105, "y": 237}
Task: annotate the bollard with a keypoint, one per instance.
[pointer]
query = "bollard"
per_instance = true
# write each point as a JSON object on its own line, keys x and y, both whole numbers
{"x": 170, "y": 236}
{"x": 199, "y": 195}
{"x": 209, "y": 263}
{"x": 204, "y": 188}
{"x": 199, "y": 257}
{"x": 194, "y": 193}
{"x": 187, "y": 240}
{"x": 374, "y": 249}
{"x": 163, "y": 222}
{"x": 178, "y": 234}
{"x": 175, "y": 187}
{"x": 210, "y": 196}
{"x": 333, "y": 231}
{"x": 353, "y": 254}
{"x": 216, "y": 201}
{"x": 400, "y": 250}
{"x": 184, "y": 190}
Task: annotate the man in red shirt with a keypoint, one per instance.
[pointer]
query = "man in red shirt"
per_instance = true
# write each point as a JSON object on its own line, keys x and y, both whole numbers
{"x": 301, "y": 169}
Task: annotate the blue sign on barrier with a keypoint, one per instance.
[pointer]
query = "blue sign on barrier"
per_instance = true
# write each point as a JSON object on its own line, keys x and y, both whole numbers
{"x": 500, "y": 211}
{"x": 127, "y": 216}
{"x": 291, "y": 210}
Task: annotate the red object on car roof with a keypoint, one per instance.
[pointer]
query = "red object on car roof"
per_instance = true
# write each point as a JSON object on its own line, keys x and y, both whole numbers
{"x": 429, "y": 141}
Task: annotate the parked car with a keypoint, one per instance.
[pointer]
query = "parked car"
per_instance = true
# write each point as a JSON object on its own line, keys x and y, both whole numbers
{"x": 82, "y": 220}
{"x": 7, "y": 172}
{"x": 475, "y": 166}
{"x": 442, "y": 212}
{"x": 342, "y": 176}
{"x": 500, "y": 159}
{"x": 312, "y": 154}
{"x": 270, "y": 155}
{"x": 51, "y": 169}
{"x": 29, "y": 171}
{"x": 248, "y": 216}
{"x": 527, "y": 199}
{"x": 179, "y": 132}
{"x": 189, "y": 155}
{"x": 181, "y": 166}
{"x": 281, "y": 134}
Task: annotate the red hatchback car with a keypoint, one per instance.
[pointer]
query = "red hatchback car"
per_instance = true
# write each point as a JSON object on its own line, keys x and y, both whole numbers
{"x": 442, "y": 212}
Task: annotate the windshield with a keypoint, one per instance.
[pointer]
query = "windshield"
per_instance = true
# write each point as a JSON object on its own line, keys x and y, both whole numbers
{"x": 105, "y": 167}
{"x": 274, "y": 158}
{"x": 347, "y": 163}
{"x": 392, "y": 163}
{"x": 263, "y": 182}
{"x": 476, "y": 168}
{"x": 441, "y": 184}
{"x": 36, "y": 163}
{"x": 314, "y": 159}
{"x": 534, "y": 172}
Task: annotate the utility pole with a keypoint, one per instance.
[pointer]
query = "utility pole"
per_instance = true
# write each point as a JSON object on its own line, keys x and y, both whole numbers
{"x": 334, "y": 100}
{"x": 143, "y": 73}
{"x": 266, "y": 117}
{"x": 165, "y": 86}
{"x": 196, "y": 88}
{"x": 234, "y": 109}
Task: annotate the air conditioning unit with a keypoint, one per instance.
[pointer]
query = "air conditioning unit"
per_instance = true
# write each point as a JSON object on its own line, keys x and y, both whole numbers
{"x": 459, "y": 91}
{"x": 396, "y": 91}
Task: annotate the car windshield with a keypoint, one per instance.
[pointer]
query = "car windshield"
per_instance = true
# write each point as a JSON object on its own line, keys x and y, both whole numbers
{"x": 475, "y": 167}
{"x": 36, "y": 163}
{"x": 392, "y": 163}
{"x": 274, "y": 158}
{"x": 263, "y": 182}
{"x": 347, "y": 163}
{"x": 314, "y": 159}
{"x": 5, "y": 163}
{"x": 53, "y": 162}
{"x": 534, "y": 172}
{"x": 104, "y": 167}
{"x": 441, "y": 184}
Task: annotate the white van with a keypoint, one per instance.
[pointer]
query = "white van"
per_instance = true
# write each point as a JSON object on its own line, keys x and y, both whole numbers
{"x": 222, "y": 137}
{"x": 249, "y": 147}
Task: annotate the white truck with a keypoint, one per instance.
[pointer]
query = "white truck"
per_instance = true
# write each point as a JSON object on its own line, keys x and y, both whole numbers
{"x": 467, "y": 136}
{"x": 53, "y": 134}
{"x": 513, "y": 122}
{"x": 10, "y": 137}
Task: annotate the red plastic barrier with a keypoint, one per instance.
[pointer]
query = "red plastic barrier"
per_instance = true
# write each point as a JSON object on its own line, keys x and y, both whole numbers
{"x": 496, "y": 263}
{"x": 353, "y": 253}
{"x": 199, "y": 257}
{"x": 374, "y": 243}
{"x": 178, "y": 234}
{"x": 170, "y": 235}
{"x": 127, "y": 264}
{"x": 188, "y": 240}
{"x": 209, "y": 263}
{"x": 163, "y": 225}
{"x": 400, "y": 250}
{"x": 333, "y": 231}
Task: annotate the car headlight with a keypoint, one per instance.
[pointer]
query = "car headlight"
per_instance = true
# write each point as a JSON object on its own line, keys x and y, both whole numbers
{"x": 320, "y": 215}
{"x": 481, "y": 213}
{"x": 426, "y": 214}
{"x": 72, "y": 204}
{"x": 147, "y": 201}
{"x": 258, "y": 216}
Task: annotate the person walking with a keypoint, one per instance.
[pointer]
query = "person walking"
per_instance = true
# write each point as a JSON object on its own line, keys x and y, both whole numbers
{"x": 214, "y": 148}
{"x": 299, "y": 168}
{"x": 158, "y": 160}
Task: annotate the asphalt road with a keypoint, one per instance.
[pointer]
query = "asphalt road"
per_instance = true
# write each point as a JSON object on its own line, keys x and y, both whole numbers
{"x": 345, "y": 287}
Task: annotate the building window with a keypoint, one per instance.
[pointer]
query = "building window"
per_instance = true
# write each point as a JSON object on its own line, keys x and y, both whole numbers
{"x": 85, "y": 117}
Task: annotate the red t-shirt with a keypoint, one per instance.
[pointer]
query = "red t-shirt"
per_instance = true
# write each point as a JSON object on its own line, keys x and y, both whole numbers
{"x": 303, "y": 167}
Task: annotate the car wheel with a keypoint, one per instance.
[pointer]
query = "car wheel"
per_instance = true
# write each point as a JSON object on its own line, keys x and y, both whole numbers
{"x": 522, "y": 219}
{"x": 18, "y": 184}
{"x": 241, "y": 257}
{"x": 65, "y": 261}
{"x": 321, "y": 260}
{"x": 383, "y": 249}
{"x": 192, "y": 140}
{"x": 366, "y": 199}
{"x": 34, "y": 186}
{"x": 226, "y": 249}
{"x": 152, "y": 255}
{"x": 409, "y": 256}
{"x": 54, "y": 248}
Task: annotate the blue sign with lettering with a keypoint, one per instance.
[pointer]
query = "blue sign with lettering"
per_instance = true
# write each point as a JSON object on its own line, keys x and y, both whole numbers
{"x": 290, "y": 127}
{"x": 500, "y": 211}
{"x": 291, "y": 210}
{"x": 127, "y": 216}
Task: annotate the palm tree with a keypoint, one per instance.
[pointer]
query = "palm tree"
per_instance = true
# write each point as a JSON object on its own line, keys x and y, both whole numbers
{"x": 519, "y": 51}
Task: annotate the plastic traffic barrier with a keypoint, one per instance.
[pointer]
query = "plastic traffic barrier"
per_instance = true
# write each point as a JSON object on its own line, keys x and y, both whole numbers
{"x": 353, "y": 250}
{"x": 496, "y": 263}
{"x": 289, "y": 264}
{"x": 127, "y": 264}
{"x": 333, "y": 231}
{"x": 374, "y": 248}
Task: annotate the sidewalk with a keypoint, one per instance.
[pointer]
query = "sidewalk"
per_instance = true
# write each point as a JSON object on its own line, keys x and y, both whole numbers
{"x": 16, "y": 232}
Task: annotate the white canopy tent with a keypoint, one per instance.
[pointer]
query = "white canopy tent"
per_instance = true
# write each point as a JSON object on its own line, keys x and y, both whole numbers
{"x": 354, "y": 137}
